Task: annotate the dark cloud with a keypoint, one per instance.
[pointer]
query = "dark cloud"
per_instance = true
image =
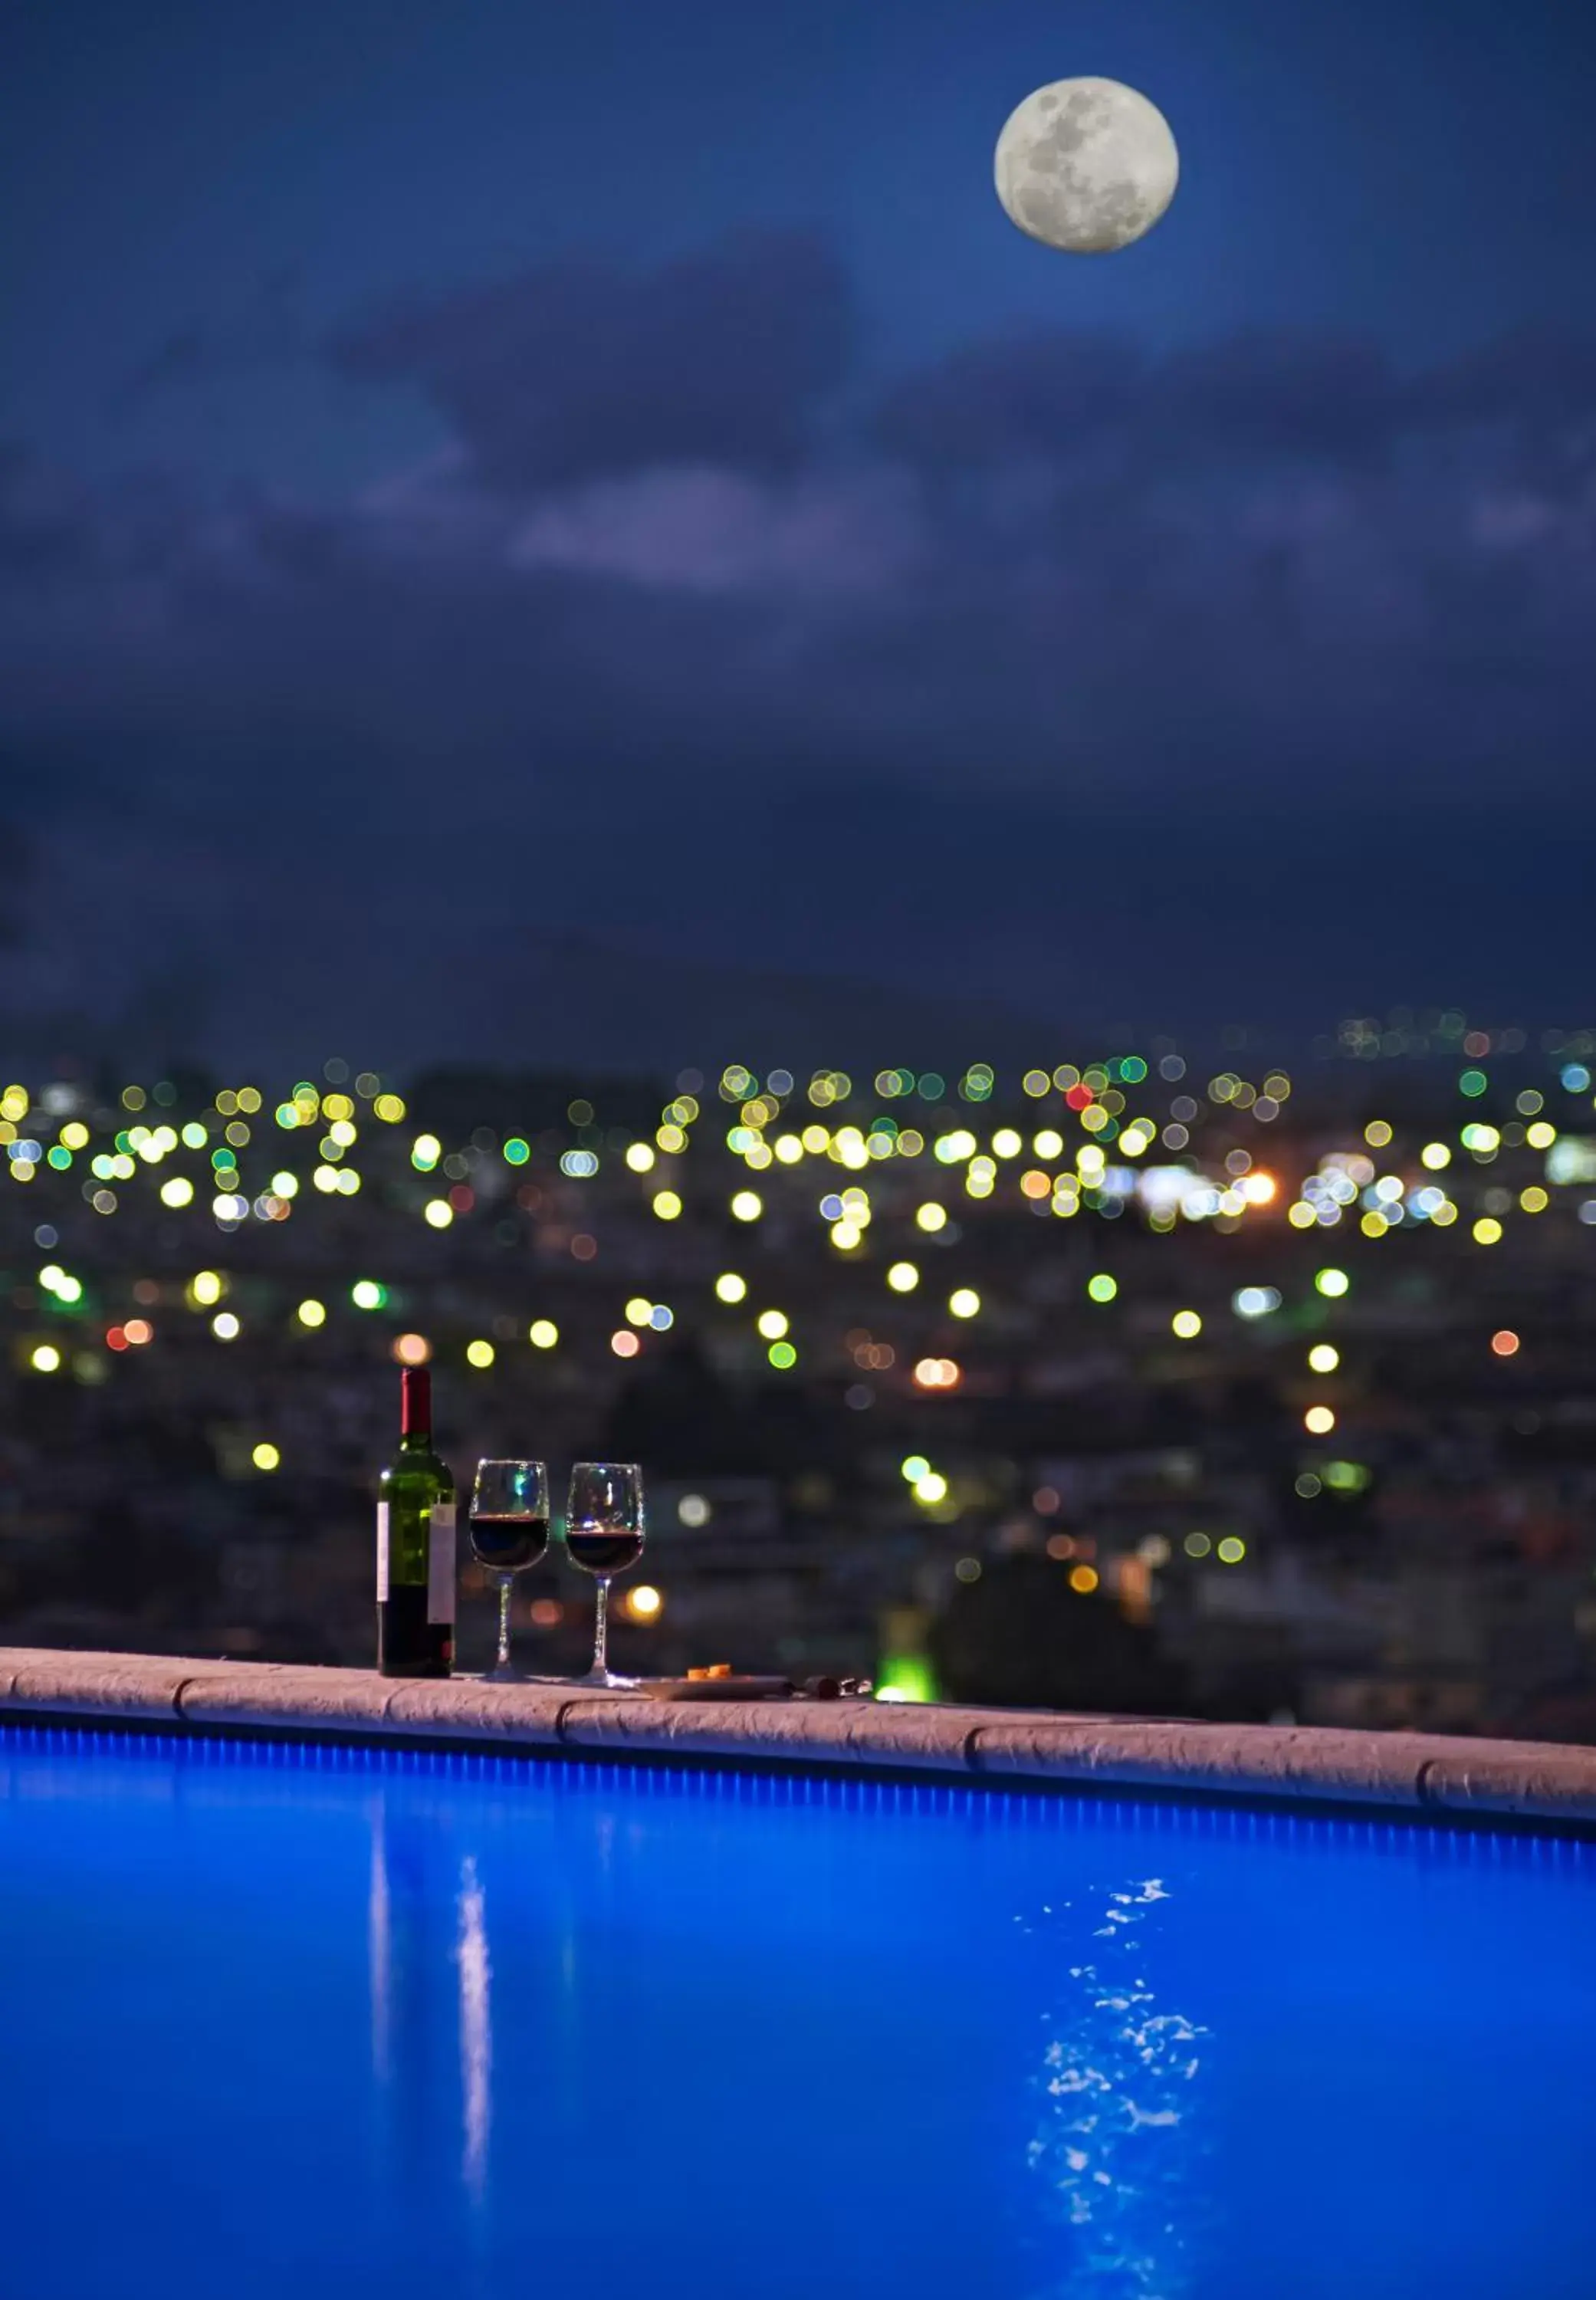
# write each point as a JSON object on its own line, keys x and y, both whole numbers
{"x": 1053, "y": 660}
{"x": 268, "y": 331}
{"x": 1535, "y": 381}
{"x": 1251, "y": 399}
{"x": 583, "y": 368}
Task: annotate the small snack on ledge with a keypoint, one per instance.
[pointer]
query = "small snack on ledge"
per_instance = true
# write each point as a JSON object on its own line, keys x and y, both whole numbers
{"x": 715, "y": 1668}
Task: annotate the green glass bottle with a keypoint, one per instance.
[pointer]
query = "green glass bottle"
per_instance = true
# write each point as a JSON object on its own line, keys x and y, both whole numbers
{"x": 415, "y": 1545}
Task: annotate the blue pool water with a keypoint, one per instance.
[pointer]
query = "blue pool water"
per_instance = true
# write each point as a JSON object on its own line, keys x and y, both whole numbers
{"x": 303, "y": 2022}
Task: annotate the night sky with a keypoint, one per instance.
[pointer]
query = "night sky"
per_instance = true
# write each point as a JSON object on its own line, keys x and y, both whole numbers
{"x": 583, "y": 534}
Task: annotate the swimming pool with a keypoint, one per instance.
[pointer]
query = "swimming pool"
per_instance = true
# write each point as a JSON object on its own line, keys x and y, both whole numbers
{"x": 289, "y": 2018}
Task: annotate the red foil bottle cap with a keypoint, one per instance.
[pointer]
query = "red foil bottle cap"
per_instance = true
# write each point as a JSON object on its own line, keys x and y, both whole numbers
{"x": 415, "y": 1402}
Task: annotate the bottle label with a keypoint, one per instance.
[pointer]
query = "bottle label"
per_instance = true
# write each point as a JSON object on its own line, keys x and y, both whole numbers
{"x": 440, "y": 1564}
{"x": 382, "y": 1553}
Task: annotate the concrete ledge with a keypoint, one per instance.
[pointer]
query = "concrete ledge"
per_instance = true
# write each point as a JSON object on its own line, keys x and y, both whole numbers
{"x": 1416, "y": 1771}
{"x": 1231, "y": 1760}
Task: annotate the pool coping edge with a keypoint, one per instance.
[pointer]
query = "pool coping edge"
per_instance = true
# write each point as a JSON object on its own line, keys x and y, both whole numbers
{"x": 1431, "y": 1775}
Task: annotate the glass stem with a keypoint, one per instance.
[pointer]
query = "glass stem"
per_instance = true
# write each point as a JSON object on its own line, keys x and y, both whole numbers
{"x": 601, "y": 1628}
{"x": 504, "y": 1589}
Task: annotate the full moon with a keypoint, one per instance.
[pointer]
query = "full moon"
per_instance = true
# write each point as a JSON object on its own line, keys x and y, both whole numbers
{"x": 1087, "y": 165}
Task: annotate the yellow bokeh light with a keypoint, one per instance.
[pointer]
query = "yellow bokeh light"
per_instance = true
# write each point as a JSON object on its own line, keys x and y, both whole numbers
{"x": 931, "y": 1218}
{"x": 772, "y": 1324}
{"x": 747, "y": 1206}
{"x": 1187, "y": 1324}
{"x": 266, "y": 1455}
{"x": 1324, "y": 1357}
{"x": 311, "y": 1313}
{"x": 439, "y": 1212}
{"x": 45, "y": 1358}
{"x": 644, "y": 1603}
{"x": 965, "y": 1303}
{"x": 729, "y": 1287}
{"x": 640, "y": 1158}
{"x": 666, "y": 1205}
{"x": 480, "y": 1355}
{"x": 1319, "y": 1420}
{"x": 902, "y": 1278}
{"x": 543, "y": 1333}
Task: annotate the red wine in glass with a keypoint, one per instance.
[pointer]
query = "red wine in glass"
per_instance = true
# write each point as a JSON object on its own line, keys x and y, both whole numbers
{"x": 508, "y": 1524}
{"x": 612, "y": 1551}
{"x": 604, "y": 1535}
{"x": 508, "y": 1545}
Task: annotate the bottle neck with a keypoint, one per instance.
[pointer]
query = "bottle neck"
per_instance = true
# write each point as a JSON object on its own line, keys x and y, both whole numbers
{"x": 415, "y": 1409}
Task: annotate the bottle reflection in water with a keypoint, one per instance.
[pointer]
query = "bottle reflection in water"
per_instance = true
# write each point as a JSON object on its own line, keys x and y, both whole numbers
{"x": 476, "y": 2030}
{"x": 430, "y": 1979}
{"x": 379, "y": 1952}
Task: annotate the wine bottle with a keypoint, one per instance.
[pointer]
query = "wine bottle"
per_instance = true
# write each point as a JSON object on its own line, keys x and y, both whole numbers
{"x": 415, "y": 1545}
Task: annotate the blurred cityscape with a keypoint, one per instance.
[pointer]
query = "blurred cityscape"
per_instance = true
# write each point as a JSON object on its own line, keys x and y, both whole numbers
{"x": 1126, "y": 1383}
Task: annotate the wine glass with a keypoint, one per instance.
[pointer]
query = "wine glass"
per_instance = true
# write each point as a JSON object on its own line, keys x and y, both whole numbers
{"x": 604, "y": 1535}
{"x": 510, "y": 1531}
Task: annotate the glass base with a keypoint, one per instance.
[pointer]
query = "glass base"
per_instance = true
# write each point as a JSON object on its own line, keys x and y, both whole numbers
{"x": 504, "y": 1673}
{"x": 607, "y": 1679}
